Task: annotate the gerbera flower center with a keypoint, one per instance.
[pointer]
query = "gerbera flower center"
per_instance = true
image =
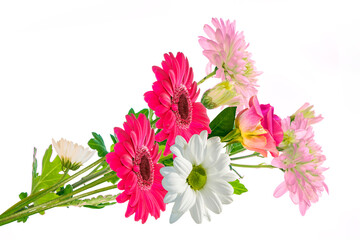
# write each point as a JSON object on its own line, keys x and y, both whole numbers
{"x": 197, "y": 178}
{"x": 182, "y": 107}
{"x": 144, "y": 168}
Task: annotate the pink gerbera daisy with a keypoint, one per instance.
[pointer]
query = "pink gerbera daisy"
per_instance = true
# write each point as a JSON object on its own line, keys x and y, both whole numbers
{"x": 173, "y": 100}
{"x": 135, "y": 160}
{"x": 226, "y": 49}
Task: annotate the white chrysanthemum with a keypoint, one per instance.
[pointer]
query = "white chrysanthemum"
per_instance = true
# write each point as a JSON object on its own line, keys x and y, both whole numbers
{"x": 199, "y": 179}
{"x": 71, "y": 154}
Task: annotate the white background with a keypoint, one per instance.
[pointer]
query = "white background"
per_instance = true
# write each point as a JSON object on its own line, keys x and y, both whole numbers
{"x": 68, "y": 68}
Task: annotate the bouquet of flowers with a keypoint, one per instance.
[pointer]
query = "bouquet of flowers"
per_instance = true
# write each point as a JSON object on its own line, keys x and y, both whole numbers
{"x": 171, "y": 152}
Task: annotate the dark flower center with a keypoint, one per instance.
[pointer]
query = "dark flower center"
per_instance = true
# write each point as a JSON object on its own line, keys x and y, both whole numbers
{"x": 183, "y": 111}
{"x": 183, "y": 107}
{"x": 144, "y": 169}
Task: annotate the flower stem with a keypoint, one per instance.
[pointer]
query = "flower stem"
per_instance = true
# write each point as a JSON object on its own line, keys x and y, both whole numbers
{"x": 55, "y": 202}
{"x": 44, "y": 207}
{"x": 255, "y": 154}
{"x": 208, "y": 76}
{"x": 91, "y": 176}
{"x": 24, "y": 202}
{"x": 252, "y": 166}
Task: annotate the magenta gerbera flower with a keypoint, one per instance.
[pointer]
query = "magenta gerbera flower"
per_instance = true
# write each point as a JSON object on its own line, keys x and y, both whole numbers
{"x": 135, "y": 160}
{"x": 174, "y": 101}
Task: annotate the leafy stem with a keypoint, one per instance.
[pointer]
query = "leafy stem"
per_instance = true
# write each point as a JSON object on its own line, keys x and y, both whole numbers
{"x": 255, "y": 154}
{"x": 26, "y": 201}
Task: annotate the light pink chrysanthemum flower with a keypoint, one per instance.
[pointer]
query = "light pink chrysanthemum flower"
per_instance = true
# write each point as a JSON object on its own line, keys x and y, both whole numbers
{"x": 301, "y": 159}
{"x": 295, "y": 131}
{"x": 308, "y": 113}
{"x": 135, "y": 160}
{"x": 304, "y": 178}
{"x": 226, "y": 49}
{"x": 174, "y": 98}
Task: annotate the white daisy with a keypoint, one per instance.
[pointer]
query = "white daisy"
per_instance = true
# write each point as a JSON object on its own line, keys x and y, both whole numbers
{"x": 72, "y": 155}
{"x": 199, "y": 179}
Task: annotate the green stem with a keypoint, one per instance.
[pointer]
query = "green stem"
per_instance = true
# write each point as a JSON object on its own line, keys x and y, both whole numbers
{"x": 54, "y": 201}
{"x": 26, "y": 201}
{"x": 45, "y": 206}
{"x": 208, "y": 76}
{"x": 252, "y": 166}
{"x": 256, "y": 154}
{"x": 91, "y": 176}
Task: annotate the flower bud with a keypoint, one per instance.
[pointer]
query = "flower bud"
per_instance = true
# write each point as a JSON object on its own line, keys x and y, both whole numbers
{"x": 222, "y": 94}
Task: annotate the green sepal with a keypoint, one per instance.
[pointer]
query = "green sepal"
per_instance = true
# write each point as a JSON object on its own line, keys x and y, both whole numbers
{"x": 239, "y": 188}
{"x": 232, "y": 136}
{"x": 223, "y": 123}
{"x": 97, "y": 143}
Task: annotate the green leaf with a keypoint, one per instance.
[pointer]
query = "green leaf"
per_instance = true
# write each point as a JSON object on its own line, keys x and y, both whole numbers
{"x": 23, "y": 195}
{"x": 166, "y": 160}
{"x": 236, "y": 148}
{"x": 239, "y": 188}
{"x": 131, "y": 111}
{"x": 144, "y": 111}
{"x": 63, "y": 191}
{"x": 112, "y": 180}
{"x": 114, "y": 138}
{"x": 50, "y": 173}
{"x": 223, "y": 123}
{"x": 95, "y": 202}
{"x": 97, "y": 143}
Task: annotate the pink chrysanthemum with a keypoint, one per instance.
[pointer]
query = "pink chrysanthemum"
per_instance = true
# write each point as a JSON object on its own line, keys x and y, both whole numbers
{"x": 135, "y": 160}
{"x": 173, "y": 100}
{"x": 303, "y": 176}
{"x": 226, "y": 49}
{"x": 301, "y": 159}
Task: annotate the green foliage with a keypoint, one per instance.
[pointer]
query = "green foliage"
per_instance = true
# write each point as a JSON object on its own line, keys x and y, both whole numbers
{"x": 166, "y": 160}
{"x": 223, "y": 123}
{"x": 95, "y": 202}
{"x": 114, "y": 138}
{"x": 97, "y": 143}
{"x": 50, "y": 175}
{"x": 235, "y": 148}
{"x": 23, "y": 195}
{"x": 145, "y": 111}
{"x": 63, "y": 191}
{"x": 114, "y": 179}
{"x": 239, "y": 188}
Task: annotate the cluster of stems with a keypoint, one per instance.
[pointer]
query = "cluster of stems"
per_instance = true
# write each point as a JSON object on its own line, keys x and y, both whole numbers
{"x": 25, "y": 207}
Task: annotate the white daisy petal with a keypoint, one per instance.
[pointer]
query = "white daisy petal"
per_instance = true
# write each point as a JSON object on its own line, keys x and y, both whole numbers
{"x": 203, "y": 137}
{"x": 170, "y": 197}
{"x": 211, "y": 200}
{"x": 198, "y": 210}
{"x": 187, "y": 199}
{"x": 166, "y": 170}
{"x": 220, "y": 186}
{"x": 173, "y": 182}
{"x": 176, "y": 150}
{"x": 182, "y": 166}
{"x": 180, "y": 141}
{"x": 229, "y": 177}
